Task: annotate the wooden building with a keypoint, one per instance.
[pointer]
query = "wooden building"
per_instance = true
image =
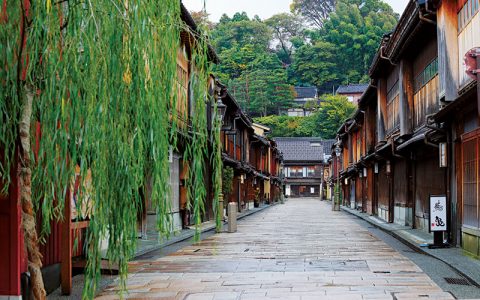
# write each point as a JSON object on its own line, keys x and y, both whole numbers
{"x": 416, "y": 132}
{"x": 276, "y": 168}
{"x": 303, "y": 165}
{"x": 254, "y": 158}
{"x": 353, "y": 92}
{"x": 235, "y": 136}
{"x": 304, "y": 104}
{"x": 358, "y": 139}
{"x": 458, "y": 29}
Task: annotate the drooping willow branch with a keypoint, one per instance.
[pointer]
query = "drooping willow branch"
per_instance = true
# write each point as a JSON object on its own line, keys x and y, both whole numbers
{"x": 105, "y": 76}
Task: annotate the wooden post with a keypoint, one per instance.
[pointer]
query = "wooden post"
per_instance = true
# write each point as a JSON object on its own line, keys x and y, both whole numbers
{"x": 350, "y": 149}
{"x": 381, "y": 108}
{"x": 66, "y": 254}
{"x": 448, "y": 50}
{"x": 369, "y": 128}
{"x": 406, "y": 97}
{"x": 478, "y": 84}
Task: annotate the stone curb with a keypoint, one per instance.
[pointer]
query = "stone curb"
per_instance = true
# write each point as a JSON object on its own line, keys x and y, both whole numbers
{"x": 411, "y": 244}
{"x": 181, "y": 238}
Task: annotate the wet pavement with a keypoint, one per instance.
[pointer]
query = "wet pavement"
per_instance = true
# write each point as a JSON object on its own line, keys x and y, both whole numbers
{"x": 300, "y": 250}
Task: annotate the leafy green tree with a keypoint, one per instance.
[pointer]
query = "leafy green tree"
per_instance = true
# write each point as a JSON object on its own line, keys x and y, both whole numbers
{"x": 341, "y": 51}
{"x": 356, "y": 28}
{"x": 240, "y": 43}
{"x": 201, "y": 19}
{"x": 287, "y": 31}
{"x": 240, "y": 30}
{"x": 334, "y": 110}
{"x": 324, "y": 123}
{"x": 256, "y": 76}
{"x": 263, "y": 91}
{"x": 285, "y": 126}
{"x": 316, "y": 64}
{"x": 260, "y": 59}
{"x": 235, "y": 61}
{"x": 314, "y": 11}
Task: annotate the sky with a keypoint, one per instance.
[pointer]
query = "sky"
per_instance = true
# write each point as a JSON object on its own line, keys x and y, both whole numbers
{"x": 263, "y": 8}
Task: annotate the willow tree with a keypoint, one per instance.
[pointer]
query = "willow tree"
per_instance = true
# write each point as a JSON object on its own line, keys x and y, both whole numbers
{"x": 99, "y": 79}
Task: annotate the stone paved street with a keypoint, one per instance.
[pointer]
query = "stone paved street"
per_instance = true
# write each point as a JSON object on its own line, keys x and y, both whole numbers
{"x": 300, "y": 250}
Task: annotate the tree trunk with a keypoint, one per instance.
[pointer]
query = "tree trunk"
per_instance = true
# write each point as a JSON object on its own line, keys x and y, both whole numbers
{"x": 25, "y": 182}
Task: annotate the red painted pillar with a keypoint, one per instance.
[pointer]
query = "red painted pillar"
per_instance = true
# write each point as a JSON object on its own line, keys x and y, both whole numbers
{"x": 13, "y": 260}
{"x": 12, "y": 252}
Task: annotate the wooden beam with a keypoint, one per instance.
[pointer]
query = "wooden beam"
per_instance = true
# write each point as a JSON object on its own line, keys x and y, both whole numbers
{"x": 406, "y": 96}
{"x": 80, "y": 224}
{"x": 478, "y": 85}
{"x": 381, "y": 108}
{"x": 448, "y": 50}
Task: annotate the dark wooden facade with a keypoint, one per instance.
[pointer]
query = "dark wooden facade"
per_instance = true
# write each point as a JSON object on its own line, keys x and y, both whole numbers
{"x": 420, "y": 104}
{"x": 254, "y": 158}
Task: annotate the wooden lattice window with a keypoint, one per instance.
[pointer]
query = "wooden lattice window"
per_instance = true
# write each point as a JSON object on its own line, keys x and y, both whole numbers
{"x": 182, "y": 89}
{"x": 471, "y": 178}
{"x": 426, "y": 98}
{"x": 467, "y": 12}
{"x": 393, "y": 108}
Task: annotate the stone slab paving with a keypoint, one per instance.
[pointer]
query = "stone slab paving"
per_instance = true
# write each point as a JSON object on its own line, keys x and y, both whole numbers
{"x": 300, "y": 250}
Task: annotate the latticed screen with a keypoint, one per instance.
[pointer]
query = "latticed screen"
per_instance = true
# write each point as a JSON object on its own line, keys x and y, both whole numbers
{"x": 426, "y": 93}
{"x": 471, "y": 180}
{"x": 393, "y": 98}
{"x": 468, "y": 33}
{"x": 466, "y": 13}
{"x": 182, "y": 89}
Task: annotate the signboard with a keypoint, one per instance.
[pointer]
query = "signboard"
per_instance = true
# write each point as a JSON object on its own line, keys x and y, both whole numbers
{"x": 438, "y": 213}
{"x": 312, "y": 190}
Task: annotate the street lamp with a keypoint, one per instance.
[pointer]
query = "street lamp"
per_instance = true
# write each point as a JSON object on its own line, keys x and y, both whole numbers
{"x": 221, "y": 110}
{"x": 336, "y": 201}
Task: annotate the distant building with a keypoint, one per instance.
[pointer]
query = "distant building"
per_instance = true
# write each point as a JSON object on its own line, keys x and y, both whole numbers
{"x": 303, "y": 159}
{"x": 303, "y": 95}
{"x": 353, "y": 92}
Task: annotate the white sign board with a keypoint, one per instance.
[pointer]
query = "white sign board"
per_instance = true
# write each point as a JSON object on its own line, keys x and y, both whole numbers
{"x": 438, "y": 213}
{"x": 312, "y": 190}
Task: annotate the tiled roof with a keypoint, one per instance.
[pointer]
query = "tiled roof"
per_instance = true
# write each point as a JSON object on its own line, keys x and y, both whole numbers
{"x": 300, "y": 149}
{"x": 352, "y": 88}
{"x": 305, "y": 92}
{"x": 327, "y": 146}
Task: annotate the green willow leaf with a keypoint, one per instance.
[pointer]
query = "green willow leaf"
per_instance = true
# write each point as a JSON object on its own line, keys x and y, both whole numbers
{"x": 106, "y": 76}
